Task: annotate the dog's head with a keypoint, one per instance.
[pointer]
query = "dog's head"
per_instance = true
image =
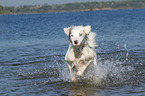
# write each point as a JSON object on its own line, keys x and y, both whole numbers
{"x": 77, "y": 34}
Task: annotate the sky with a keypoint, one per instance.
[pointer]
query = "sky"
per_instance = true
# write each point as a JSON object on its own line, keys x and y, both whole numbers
{"x": 17, "y": 3}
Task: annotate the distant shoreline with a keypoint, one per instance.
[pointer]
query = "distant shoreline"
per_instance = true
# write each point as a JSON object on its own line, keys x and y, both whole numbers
{"x": 74, "y": 7}
{"x": 96, "y": 9}
{"x": 72, "y": 11}
{"x": 65, "y": 11}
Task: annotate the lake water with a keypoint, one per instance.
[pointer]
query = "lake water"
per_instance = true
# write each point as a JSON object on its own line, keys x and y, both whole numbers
{"x": 33, "y": 46}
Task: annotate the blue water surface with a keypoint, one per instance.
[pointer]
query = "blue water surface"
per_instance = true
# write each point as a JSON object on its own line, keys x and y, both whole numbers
{"x": 33, "y": 47}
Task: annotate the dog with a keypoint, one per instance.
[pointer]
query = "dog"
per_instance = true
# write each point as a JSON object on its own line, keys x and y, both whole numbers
{"x": 81, "y": 52}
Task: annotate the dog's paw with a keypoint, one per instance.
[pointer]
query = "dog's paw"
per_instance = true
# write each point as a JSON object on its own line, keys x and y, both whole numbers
{"x": 73, "y": 79}
{"x": 79, "y": 73}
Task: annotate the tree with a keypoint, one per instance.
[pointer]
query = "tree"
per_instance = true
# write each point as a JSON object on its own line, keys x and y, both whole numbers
{"x": 0, "y": 8}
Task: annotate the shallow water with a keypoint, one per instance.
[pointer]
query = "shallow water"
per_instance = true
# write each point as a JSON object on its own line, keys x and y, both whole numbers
{"x": 33, "y": 46}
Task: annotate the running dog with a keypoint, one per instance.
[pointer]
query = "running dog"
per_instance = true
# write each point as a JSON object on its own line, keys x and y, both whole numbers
{"x": 81, "y": 52}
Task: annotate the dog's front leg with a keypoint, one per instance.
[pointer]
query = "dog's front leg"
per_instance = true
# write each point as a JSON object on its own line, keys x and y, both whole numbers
{"x": 81, "y": 71}
{"x": 71, "y": 73}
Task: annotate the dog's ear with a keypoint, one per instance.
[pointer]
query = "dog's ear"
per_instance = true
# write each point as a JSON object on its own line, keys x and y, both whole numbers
{"x": 87, "y": 29}
{"x": 66, "y": 31}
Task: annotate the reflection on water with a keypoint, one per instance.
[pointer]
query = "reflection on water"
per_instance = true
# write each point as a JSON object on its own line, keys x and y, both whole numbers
{"x": 84, "y": 90}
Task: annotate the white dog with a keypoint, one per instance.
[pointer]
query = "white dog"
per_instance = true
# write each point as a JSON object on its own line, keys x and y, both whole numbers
{"x": 81, "y": 52}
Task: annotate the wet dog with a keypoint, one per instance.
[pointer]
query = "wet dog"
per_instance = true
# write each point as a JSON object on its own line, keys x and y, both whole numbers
{"x": 81, "y": 52}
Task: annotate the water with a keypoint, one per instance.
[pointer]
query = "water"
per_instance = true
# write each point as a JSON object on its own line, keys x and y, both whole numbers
{"x": 33, "y": 46}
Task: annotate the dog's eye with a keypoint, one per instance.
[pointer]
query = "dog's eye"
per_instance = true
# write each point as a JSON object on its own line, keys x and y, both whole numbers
{"x": 80, "y": 34}
{"x": 72, "y": 35}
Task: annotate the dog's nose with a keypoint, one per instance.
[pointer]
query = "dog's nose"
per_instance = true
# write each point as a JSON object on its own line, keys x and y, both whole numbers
{"x": 76, "y": 41}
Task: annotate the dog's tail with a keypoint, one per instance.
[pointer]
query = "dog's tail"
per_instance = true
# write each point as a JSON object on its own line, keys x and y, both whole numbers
{"x": 92, "y": 40}
{"x": 92, "y": 44}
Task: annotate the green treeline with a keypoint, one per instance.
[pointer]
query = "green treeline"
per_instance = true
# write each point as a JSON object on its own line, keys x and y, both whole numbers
{"x": 86, "y": 6}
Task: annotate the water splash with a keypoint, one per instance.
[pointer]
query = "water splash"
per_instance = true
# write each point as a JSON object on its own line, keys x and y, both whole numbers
{"x": 127, "y": 51}
{"x": 108, "y": 72}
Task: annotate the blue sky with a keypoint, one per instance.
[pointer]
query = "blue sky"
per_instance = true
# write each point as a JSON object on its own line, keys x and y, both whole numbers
{"x": 41, "y": 2}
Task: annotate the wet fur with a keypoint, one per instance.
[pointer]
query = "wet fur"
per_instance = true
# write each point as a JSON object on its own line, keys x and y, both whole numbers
{"x": 79, "y": 58}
